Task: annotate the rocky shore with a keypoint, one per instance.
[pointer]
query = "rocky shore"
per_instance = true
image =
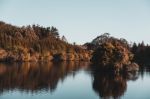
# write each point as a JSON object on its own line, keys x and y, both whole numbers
{"x": 9, "y": 56}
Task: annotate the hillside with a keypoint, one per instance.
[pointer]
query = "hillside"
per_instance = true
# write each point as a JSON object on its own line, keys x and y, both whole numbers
{"x": 36, "y": 43}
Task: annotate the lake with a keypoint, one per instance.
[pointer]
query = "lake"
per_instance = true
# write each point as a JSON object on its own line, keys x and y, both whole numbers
{"x": 70, "y": 80}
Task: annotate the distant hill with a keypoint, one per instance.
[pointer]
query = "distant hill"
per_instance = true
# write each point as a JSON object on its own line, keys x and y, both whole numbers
{"x": 34, "y": 43}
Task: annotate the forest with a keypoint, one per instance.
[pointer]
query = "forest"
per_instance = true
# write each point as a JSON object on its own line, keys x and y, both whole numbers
{"x": 38, "y": 43}
{"x": 112, "y": 51}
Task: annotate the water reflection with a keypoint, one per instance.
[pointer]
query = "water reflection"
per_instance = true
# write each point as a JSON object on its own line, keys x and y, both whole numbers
{"x": 45, "y": 76}
{"x": 34, "y": 77}
{"x": 108, "y": 85}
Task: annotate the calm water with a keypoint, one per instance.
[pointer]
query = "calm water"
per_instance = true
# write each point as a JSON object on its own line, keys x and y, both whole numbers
{"x": 72, "y": 80}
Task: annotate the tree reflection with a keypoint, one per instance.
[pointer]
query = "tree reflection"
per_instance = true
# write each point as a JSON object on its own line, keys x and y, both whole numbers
{"x": 45, "y": 76}
{"x": 110, "y": 85}
{"x": 33, "y": 77}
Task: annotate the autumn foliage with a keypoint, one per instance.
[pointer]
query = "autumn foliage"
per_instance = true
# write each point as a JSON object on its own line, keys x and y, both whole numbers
{"x": 113, "y": 54}
{"x": 35, "y": 43}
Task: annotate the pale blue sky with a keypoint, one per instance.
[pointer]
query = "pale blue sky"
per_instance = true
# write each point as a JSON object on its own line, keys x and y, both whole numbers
{"x": 82, "y": 20}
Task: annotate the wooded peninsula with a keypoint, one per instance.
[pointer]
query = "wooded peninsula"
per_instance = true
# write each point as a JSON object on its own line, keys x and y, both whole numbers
{"x": 37, "y": 43}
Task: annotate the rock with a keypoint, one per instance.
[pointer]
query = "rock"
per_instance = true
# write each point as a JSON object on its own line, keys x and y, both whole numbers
{"x": 33, "y": 59}
{"x": 26, "y": 56}
{"x": 76, "y": 57}
{"x": 131, "y": 67}
{"x": 3, "y": 54}
{"x": 70, "y": 57}
{"x": 132, "y": 75}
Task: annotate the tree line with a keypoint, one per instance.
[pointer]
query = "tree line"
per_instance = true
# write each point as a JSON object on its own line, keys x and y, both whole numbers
{"x": 35, "y": 38}
{"x": 141, "y": 53}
